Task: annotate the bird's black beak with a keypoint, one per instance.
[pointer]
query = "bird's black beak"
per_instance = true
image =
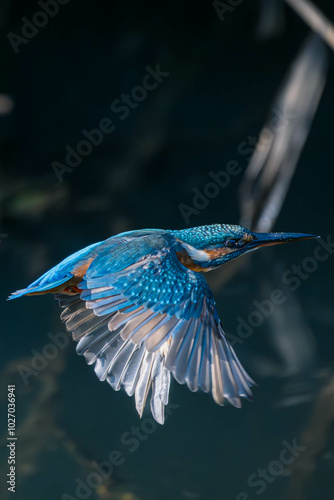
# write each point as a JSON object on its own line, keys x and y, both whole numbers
{"x": 268, "y": 239}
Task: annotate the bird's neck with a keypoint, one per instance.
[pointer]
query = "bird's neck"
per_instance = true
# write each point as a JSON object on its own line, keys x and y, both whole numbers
{"x": 198, "y": 259}
{"x": 188, "y": 262}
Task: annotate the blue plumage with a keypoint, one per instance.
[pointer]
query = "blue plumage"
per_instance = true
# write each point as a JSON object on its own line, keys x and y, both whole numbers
{"x": 140, "y": 310}
{"x": 205, "y": 236}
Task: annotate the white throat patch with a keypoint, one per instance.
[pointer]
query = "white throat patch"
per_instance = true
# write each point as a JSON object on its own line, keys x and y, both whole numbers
{"x": 195, "y": 254}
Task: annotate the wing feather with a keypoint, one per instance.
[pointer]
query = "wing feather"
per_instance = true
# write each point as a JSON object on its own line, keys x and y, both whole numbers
{"x": 204, "y": 376}
{"x": 144, "y": 382}
{"x": 160, "y": 390}
{"x": 132, "y": 375}
{"x": 142, "y": 320}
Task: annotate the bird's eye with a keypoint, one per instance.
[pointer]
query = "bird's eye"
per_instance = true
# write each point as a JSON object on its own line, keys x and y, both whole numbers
{"x": 231, "y": 243}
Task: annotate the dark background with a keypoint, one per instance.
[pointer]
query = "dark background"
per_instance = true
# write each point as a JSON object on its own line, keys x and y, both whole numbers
{"x": 223, "y": 77}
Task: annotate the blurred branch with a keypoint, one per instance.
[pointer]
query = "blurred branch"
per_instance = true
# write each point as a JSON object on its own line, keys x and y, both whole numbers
{"x": 315, "y": 19}
{"x": 268, "y": 176}
{"x": 272, "y": 166}
{"x": 271, "y": 20}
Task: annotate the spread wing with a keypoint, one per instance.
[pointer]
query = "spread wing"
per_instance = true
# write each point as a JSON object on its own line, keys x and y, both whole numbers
{"x": 142, "y": 315}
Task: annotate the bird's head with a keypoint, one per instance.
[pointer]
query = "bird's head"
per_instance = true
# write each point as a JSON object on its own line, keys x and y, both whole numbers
{"x": 209, "y": 247}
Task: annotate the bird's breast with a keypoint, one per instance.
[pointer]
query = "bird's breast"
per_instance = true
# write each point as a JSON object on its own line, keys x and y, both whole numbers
{"x": 187, "y": 261}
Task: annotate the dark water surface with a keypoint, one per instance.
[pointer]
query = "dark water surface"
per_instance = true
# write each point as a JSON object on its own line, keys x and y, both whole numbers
{"x": 222, "y": 78}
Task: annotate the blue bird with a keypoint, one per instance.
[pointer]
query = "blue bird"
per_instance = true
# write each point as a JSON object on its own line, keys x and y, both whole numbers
{"x": 140, "y": 310}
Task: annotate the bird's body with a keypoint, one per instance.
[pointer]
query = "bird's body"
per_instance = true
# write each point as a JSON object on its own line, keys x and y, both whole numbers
{"x": 139, "y": 308}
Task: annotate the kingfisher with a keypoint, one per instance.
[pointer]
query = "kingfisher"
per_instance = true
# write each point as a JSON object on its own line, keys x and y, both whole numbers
{"x": 140, "y": 310}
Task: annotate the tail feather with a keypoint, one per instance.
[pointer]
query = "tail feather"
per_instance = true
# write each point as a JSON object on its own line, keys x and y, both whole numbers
{"x": 70, "y": 269}
{"x": 39, "y": 288}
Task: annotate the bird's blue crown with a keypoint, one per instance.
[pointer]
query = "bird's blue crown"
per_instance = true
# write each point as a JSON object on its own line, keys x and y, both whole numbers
{"x": 206, "y": 236}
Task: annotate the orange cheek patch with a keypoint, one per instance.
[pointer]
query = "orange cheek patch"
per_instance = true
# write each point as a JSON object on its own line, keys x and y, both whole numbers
{"x": 218, "y": 252}
{"x": 213, "y": 254}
